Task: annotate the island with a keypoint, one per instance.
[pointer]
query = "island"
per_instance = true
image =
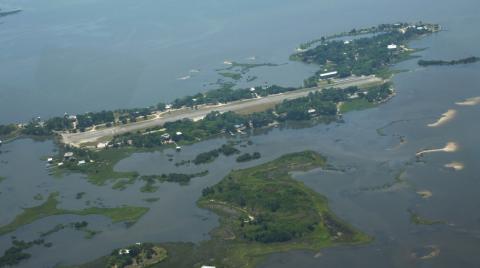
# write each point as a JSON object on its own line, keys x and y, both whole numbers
{"x": 467, "y": 60}
{"x": 262, "y": 210}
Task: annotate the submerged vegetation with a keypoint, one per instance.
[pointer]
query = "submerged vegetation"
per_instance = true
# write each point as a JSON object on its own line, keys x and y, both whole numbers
{"x": 15, "y": 254}
{"x": 419, "y": 220}
{"x": 50, "y": 208}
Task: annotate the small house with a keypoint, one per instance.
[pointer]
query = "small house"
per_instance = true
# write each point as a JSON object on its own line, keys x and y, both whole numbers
{"x": 166, "y": 136}
{"x": 124, "y": 251}
{"x": 50, "y": 160}
{"x": 205, "y": 266}
{"x": 311, "y": 111}
{"x": 68, "y": 155}
{"x": 81, "y": 162}
{"x": 179, "y": 133}
{"x": 392, "y": 46}
{"x": 240, "y": 127}
{"x": 102, "y": 145}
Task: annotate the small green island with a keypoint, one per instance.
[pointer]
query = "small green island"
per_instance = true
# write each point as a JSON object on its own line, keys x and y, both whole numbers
{"x": 467, "y": 60}
{"x": 262, "y": 210}
{"x": 50, "y": 208}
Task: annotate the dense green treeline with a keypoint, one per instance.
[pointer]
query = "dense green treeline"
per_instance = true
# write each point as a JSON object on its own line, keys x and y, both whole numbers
{"x": 451, "y": 62}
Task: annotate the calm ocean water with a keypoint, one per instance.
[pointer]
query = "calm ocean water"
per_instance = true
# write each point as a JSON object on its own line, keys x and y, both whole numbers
{"x": 77, "y": 56}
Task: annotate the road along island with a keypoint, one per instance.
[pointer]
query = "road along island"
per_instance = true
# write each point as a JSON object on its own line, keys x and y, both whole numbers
{"x": 160, "y": 118}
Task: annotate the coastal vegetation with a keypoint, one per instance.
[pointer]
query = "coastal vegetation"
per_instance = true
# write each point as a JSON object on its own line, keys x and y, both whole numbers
{"x": 419, "y": 220}
{"x": 138, "y": 255}
{"x": 234, "y": 76}
{"x": 363, "y": 56}
{"x": 15, "y": 254}
{"x": 182, "y": 179}
{"x": 6, "y": 130}
{"x": 79, "y": 226}
{"x": 50, "y": 208}
{"x": 319, "y": 104}
{"x": 206, "y": 157}
{"x": 8, "y": 13}
{"x": 262, "y": 210}
{"x": 467, "y": 60}
{"x": 249, "y": 157}
{"x": 373, "y": 53}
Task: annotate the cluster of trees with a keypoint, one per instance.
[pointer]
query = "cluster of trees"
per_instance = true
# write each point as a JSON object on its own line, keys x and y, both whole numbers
{"x": 135, "y": 252}
{"x": 91, "y": 119}
{"x": 362, "y": 56}
{"x": 7, "y": 129}
{"x": 172, "y": 177}
{"x": 213, "y": 124}
{"x": 322, "y": 103}
{"x": 249, "y": 157}
{"x": 277, "y": 206}
{"x": 379, "y": 93}
{"x": 227, "y": 94}
{"x": 206, "y": 157}
{"x": 451, "y": 62}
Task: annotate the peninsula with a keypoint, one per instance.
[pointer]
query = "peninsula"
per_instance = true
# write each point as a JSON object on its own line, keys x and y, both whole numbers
{"x": 262, "y": 210}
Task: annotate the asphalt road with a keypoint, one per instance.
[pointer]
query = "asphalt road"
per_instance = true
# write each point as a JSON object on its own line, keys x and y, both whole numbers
{"x": 77, "y": 139}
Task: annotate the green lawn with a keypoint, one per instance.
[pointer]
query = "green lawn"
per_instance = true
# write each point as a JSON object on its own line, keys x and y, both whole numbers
{"x": 102, "y": 169}
{"x": 356, "y": 105}
{"x": 50, "y": 208}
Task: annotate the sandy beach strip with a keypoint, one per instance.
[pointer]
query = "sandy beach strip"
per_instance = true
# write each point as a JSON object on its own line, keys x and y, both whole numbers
{"x": 455, "y": 166}
{"x": 449, "y": 115}
{"x": 425, "y": 194}
{"x": 469, "y": 102}
{"x": 449, "y": 148}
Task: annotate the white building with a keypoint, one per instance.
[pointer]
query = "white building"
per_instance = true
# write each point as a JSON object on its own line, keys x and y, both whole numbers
{"x": 123, "y": 251}
{"x": 392, "y": 46}
{"x": 102, "y": 145}
{"x": 205, "y": 266}
{"x": 328, "y": 74}
{"x": 81, "y": 162}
